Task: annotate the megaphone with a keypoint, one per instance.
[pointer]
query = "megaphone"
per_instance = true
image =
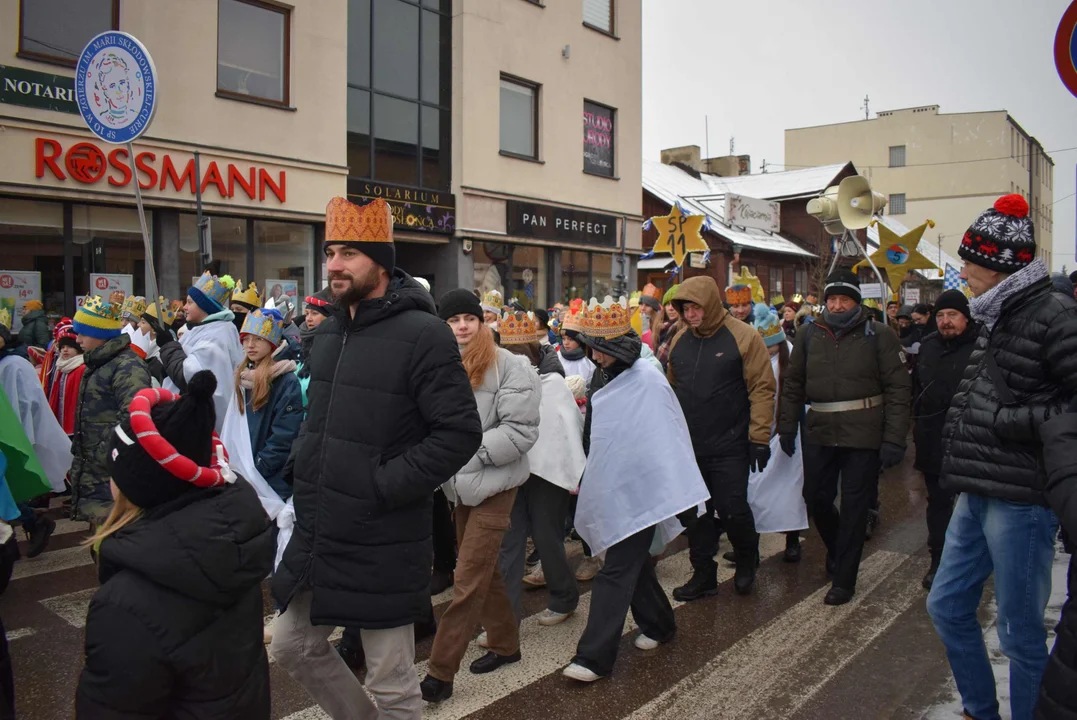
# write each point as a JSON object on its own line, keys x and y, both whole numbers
{"x": 825, "y": 209}
{"x": 857, "y": 202}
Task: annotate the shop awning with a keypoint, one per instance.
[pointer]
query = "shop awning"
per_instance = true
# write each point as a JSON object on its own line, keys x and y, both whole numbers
{"x": 655, "y": 263}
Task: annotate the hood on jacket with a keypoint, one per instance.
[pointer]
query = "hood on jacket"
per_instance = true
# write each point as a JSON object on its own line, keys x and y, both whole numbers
{"x": 403, "y": 293}
{"x": 626, "y": 348}
{"x": 34, "y": 315}
{"x": 703, "y": 291}
{"x": 212, "y": 545}
{"x": 101, "y": 355}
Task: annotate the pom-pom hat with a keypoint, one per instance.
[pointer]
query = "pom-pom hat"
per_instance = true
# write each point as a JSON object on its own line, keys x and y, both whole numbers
{"x": 98, "y": 319}
{"x": 211, "y": 293}
{"x": 1002, "y": 238}
{"x": 769, "y": 325}
{"x": 167, "y": 446}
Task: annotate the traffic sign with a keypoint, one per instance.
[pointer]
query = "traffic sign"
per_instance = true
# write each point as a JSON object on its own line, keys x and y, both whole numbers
{"x": 1066, "y": 48}
{"x": 116, "y": 87}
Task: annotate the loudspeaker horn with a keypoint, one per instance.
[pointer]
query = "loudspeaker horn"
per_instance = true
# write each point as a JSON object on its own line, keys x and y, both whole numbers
{"x": 857, "y": 203}
{"x": 825, "y": 209}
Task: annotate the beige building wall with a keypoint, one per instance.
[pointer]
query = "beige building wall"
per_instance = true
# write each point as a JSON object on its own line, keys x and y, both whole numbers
{"x": 526, "y": 40}
{"x": 956, "y": 165}
{"x": 307, "y": 140}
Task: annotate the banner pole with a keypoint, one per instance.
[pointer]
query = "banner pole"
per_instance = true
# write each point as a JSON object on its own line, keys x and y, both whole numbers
{"x": 151, "y": 275}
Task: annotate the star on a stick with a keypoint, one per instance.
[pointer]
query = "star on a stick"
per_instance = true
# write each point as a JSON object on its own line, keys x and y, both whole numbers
{"x": 679, "y": 234}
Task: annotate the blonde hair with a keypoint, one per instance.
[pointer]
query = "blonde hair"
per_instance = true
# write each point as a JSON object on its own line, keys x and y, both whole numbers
{"x": 262, "y": 384}
{"x": 479, "y": 355}
{"x": 124, "y": 512}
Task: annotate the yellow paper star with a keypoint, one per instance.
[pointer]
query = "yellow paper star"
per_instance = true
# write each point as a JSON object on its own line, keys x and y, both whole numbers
{"x": 746, "y": 278}
{"x": 897, "y": 255}
{"x": 679, "y": 234}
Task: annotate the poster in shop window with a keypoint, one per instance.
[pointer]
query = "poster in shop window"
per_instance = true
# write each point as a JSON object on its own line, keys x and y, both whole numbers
{"x": 104, "y": 284}
{"x": 283, "y": 294}
{"x": 597, "y": 139}
{"x": 16, "y": 288}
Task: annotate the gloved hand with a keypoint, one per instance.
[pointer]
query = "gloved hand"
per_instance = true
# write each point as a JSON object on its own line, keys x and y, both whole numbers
{"x": 891, "y": 455}
{"x": 789, "y": 443}
{"x": 758, "y": 457}
{"x": 163, "y": 336}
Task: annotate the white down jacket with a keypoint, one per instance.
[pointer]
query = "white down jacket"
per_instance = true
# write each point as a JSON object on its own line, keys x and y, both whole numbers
{"x": 508, "y": 402}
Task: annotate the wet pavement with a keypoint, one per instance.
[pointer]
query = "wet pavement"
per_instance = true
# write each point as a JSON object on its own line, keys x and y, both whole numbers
{"x": 778, "y": 653}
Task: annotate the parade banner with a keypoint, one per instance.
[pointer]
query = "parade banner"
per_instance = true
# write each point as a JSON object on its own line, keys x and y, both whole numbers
{"x": 16, "y": 287}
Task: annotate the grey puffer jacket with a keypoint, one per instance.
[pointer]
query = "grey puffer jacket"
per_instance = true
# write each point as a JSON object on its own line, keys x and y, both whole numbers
{"x": 508, "y": 402}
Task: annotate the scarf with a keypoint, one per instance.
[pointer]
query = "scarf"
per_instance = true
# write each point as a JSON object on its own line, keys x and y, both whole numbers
{"x": 987, "y": 308}
{"x": 66, "y": 365}
{"x": 841, "y": 321}
{"x": 577, "y": 354}
{"x": 246, "y": 377}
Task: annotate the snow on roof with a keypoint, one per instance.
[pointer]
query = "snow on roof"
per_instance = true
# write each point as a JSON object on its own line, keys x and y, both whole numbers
{"x": 672, "y": 184}
{"x": 926, "y": 248}
{"x": 778, "y": 185}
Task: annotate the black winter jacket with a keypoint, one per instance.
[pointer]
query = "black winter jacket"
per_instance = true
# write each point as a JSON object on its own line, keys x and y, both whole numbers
{"x": 175, "y": 631}
{"x": 1058, "y": 690}
{"x": 391, "y": 417}
{"x": 995, "y": 449}
{"x": 939, "y": 369}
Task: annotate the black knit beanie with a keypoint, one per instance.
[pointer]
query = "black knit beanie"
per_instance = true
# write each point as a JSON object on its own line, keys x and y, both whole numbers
{"x": 187, "y": 424}
{"x": 842, "y": 282}
{"x": 953, "y": 300}
{"x": 459, "y": 302}
{"x": 1002, "y": 238}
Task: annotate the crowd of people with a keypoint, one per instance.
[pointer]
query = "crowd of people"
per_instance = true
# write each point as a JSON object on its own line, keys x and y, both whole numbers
{"x": 385, "y": 447}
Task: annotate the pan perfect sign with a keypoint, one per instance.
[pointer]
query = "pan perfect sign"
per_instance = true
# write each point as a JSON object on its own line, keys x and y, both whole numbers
{"x": 752, "y": 213}
{"x": 553, "y": 223}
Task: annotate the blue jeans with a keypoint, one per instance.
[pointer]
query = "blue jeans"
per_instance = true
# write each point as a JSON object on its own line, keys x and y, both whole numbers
{"x": 1016, "y": 542}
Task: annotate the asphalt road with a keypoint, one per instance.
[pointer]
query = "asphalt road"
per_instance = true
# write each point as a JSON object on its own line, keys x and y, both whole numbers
{"x": 778, "y": 653}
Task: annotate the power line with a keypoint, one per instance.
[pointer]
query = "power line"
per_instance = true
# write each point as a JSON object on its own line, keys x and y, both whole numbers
{"x": 1056, "y": 202}
{"x": 934, "y": 164}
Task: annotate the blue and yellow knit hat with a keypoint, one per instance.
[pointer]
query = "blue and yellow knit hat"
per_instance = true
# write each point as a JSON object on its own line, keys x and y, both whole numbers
{"x": 211, "y": 293}
{"x": 769, "y": 325}
{"x": 265, "y": 324}
{"x": 98, "y": 319}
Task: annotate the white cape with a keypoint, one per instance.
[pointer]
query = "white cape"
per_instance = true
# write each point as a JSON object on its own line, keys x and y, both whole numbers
{"x": 214, "y": 347}
{"x": 557, "y": 457}
{"x": 236, "y": 437}
{"x": 582, "y": 367}
{"x": 51, "y": 444}
{"x": 628, "y": 486}
{"x": 776, "y": 495}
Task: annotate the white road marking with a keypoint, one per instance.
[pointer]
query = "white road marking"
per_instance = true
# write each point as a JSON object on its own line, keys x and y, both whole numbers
{"x": 20, "y": 633}
{"x": 53, "y": 561}
{"x": 72, "y": 607}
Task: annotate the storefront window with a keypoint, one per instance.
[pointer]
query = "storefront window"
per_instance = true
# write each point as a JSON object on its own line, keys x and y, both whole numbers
{"x": 32, "y": 254}
{"x": 493, "y": 263}
{"x": 575, "y": 276}
{"x": 284, "y": 263}
{"x": 601, "y": 275}
{"x": 108, "y": 240}
{"x": 227, "y": 239}
{"x": 529, "y": 276}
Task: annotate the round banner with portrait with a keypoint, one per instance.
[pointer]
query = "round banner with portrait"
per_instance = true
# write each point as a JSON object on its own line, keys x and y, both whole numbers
{"x": 115, "y": 87}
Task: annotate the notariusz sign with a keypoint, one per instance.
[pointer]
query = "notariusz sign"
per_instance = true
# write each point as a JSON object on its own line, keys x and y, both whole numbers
{"x": 30, "y": 88}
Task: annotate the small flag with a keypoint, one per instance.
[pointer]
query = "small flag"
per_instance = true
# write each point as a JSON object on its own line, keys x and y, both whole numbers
{"x": 952, "y": 281}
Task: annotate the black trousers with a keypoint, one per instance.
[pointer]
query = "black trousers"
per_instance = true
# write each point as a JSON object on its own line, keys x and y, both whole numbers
{"x": 727, "y": 480}
{"x": 444, "y": 534}
{"x": 843, "y": 532}
{"x": 940, "y": 506}
{"x": 626, "y": 581}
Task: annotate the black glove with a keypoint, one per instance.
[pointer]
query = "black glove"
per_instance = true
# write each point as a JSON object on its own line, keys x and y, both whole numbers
{"x": 162, "y": 335}
{"x": 891, "y": 455}
{"x": 758, "y": 457}
{"x": 788, "y": 442}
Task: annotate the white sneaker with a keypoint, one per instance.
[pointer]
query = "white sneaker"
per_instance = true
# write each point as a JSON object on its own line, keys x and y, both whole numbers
{"x": 536, "y": 578}
{"x": 579, "y": 672}
{"x": 549, "y": 617}
{"x": 645, "y": 643}
{"x": 267, "y": 629}
{"x": 588, "y": 568}
{"x": 481, "y": 640}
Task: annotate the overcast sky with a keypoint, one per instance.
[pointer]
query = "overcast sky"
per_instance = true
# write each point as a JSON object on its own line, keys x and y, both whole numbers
{"x": 757, "y": 67}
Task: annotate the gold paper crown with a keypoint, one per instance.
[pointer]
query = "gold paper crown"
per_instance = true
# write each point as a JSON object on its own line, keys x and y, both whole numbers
{"x": 116, "y": 298}
{"x": 738, "y": 295}
{"x": 5, "y": 318}
{"x": 347, "y": 222}
{"x": 133, "y": 306}
{"x": 264, "y": 326}
{"x": 777, "y": 301}
{"x": 166, "y": 310}
{"x": 249, "y": 296}
{"x": 217, "y": 289}
{"x": 798, "y": 299}
{"x": 493, "y": 301}
{"x": 573, "y": 315}
{"x": 100, "y": 309}
{"x": 518, "y": 328}
{"x": 608, "y": 319}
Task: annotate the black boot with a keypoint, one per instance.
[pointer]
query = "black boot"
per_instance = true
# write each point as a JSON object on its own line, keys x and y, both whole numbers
{"x": 426, "y": 628}
{"x": 873, "y": 523}
{"x": 838, "y": 596}
{"x": 929, "y": 578}
{"x": 39, "y": 536}
{"x": 350, "y": 649}
{"x": 492, "y": 661}
{"x": 744, "y": 577}
{"x": 831, "y": 565}
{"x": 702, "y": 584}
{"x": 792, "y": 547}
{"x": 434, "y": 690}
{"x": 730, "y": 556}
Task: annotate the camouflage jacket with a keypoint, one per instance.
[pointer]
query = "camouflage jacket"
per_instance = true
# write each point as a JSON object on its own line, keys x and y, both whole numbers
{"x": 113, "y": 375}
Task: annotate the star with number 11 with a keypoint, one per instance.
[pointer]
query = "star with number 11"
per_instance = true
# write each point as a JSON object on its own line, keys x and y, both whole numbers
{"x": 679, "y": 234}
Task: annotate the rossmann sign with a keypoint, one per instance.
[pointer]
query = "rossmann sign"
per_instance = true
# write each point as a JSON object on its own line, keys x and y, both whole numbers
{"x": 89, "y": 164}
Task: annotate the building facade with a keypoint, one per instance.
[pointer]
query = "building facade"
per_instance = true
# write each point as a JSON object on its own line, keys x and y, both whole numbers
{"x": 252, "y": 88}
{"x": 943, "y": 167}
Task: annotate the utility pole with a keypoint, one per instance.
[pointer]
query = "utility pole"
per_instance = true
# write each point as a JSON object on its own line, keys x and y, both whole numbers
{"x": 867, "y": 116}
{"x": 764, "y": 166}
{"x": 731, "y": 145}
{"x": 707, "y": 134}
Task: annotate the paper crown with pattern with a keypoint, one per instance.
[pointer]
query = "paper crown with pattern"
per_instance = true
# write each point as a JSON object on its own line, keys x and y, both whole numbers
{"x": 98, "y": 318}
{"x": 166, "y": 309}
{"x": 5, "y": 318}
{"x": 248, "y": 297}
{"x": 571, "y": 320}
{"x": 517, "y": 328}
{"x": 493, "y": 301}
{"x": 738, "y": 295}
{"x": 132, "y": 308}
{"x": 607, "y": 319}
{"x": 263, "y": 325}
{"x": 213, "y": 288}
{"x": 346, "y": 222}
{"x": 777, "y": 300}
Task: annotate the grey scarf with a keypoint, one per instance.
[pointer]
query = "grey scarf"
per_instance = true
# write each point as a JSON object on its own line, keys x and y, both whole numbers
{"x": 840, "y": 321}
{"x": 986, "y": 308}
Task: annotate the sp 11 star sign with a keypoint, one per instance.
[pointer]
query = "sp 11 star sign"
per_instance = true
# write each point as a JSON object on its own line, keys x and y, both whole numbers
{"x": 679, "y": 234}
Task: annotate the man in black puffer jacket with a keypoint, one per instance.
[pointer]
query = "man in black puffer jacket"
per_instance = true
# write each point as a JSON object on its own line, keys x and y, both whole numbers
{"x": 1022, "y": 372}
{"x": 944, "y": 355}
{"x": 391, "y": 417}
